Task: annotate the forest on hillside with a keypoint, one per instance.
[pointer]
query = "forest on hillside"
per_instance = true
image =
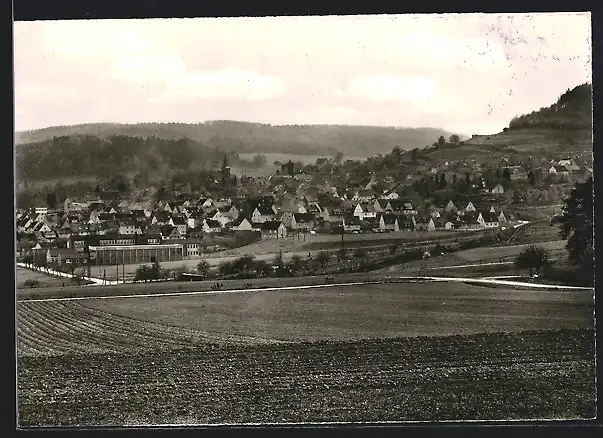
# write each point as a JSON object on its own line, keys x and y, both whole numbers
{"x": 573, "y": 110}
{"x": 88, "y": 155}
{"x": 244, "y": 137}
{"x": 68, "y": 156}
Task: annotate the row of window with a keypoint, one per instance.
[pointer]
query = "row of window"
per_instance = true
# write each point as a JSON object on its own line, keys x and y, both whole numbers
{"x": 117, "y": 242}
{"x": 124, "y": 242}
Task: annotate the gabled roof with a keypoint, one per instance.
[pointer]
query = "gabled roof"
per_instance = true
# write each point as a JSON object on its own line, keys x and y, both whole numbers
{"x": 166, "y": 230}
{"x": 559, "y": 168}
{"x": 303, "y": 217}
{"x": 96, "y": 206}
{"x": 489, "y": 216}
{"x": 211, "y": 223}
{"x": 270, "y": 225}
{"x": 238, "y": 221}
{"x": 420, "y": 219}
{"x": 128, "y": 222}
{"x": 351, "y": 220}
{"x": 178, "y": 220}
{"x": 225, "y": 208}
{"x": 162, "y": 216}
{"x": 389, "y": 219}
{"x": 265, "y": 210}
{"x": 367, "y": 208}
{"x": 396, "y": 204}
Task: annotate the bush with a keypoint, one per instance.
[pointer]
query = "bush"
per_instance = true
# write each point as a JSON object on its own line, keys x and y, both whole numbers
{"x": 31, "y": 283}
{"x": 571, "y": 275}
{"x": 245, "y": 267}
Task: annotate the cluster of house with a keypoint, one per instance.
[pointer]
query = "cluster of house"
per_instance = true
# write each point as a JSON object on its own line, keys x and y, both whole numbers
{"x": 111, "y": 230}
{"x": 133, "y": 232}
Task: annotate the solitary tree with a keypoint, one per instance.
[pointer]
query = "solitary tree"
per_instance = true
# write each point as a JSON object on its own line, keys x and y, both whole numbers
{"x": 443, "y": 182}
{"x": 506, "y": 174}
{"x": 296, "y": 265}
{"x": 455, "y": 139}
{"x": 51, "y": 200}
{"x": 532, "y": 257}
{"x": 203, "y": 268}
{"x": 28, "y": 258}
{"x": 142, "y": 273}
{"x": 361, "y": 254}
{"x": 441, "y": 141}
{"x": 577, "y": 226}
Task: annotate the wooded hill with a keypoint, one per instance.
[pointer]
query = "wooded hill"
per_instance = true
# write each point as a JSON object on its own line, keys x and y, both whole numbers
{"x": 573, "y": 110}
{"x": 565, "y": 128}
{"x": 244, "y": 137}
{"x": 87, "y": 155}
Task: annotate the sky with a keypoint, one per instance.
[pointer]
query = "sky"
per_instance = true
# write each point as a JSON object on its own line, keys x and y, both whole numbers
{"x": 465, "y": 73}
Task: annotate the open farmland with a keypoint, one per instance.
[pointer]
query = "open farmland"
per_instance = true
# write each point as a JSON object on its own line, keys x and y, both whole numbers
{"x": 227, "y": 357}
{"x": 547, "y": 374}
{"x": 340, "y": 312}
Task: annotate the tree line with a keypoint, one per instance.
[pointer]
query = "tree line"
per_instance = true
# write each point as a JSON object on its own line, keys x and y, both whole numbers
{"x": 573, "y": 110}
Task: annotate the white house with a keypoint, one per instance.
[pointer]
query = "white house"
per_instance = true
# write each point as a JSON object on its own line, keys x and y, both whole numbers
{"x": 498, "y": 189}
{"x": 273, "y": 229}
{"x": 450, "y": 206}
{"x": 363, "y": 195}
{"x": 365, "y": 211}
{"x": 211, "y": 226}
{"x": 242, "y": 225}
{"x": 262, "y": 214}
{"x": 488, "y": 220}
{"x": 389, "y": 222}
{"x": 390, "y": 195}
{"x": 179, "y": 223}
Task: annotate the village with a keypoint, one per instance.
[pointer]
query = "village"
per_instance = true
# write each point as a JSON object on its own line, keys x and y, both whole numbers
{"x": 109, "y": 228}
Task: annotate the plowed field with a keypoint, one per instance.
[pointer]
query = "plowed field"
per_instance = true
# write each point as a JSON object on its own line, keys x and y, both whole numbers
{"x": 391, "y": 352}
{"x": 546, "y": 374}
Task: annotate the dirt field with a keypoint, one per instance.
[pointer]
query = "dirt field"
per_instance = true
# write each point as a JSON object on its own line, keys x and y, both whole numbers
{"x": 359, "y": 354}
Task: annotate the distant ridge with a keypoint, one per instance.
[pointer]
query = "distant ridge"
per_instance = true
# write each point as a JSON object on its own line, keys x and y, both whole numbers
{"x": 242, "y": 137}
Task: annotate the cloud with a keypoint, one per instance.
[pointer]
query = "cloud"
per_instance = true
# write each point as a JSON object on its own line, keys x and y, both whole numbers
{"x": 384, "y": 88}
{"x": 145, "y": 69}
{"x": 224, "y": 84}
